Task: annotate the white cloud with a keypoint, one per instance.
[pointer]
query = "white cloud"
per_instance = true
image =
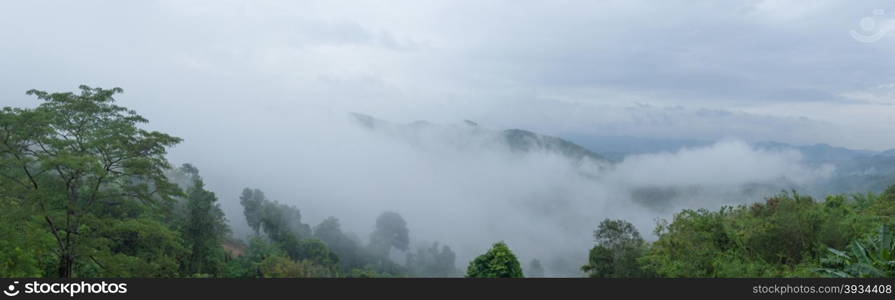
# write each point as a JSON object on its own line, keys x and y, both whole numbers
{"x": 259, "y": 90}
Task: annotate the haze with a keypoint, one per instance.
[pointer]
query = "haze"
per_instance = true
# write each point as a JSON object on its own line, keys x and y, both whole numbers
{"x": 263, "y": 94}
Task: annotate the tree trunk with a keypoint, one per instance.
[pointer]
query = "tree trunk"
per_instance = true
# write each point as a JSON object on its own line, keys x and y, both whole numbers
{"x": 66, "y": 265}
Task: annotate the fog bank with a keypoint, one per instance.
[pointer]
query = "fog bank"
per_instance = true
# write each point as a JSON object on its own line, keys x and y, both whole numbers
{"x": 463, "y": 185}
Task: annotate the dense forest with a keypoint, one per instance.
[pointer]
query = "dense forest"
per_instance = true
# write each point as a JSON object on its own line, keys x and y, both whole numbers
{"x": 87, "y": 191}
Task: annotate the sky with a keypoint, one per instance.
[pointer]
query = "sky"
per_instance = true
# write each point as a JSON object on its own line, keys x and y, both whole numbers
{"x": 766, "y": 70}
{"x": 261, "y": 90}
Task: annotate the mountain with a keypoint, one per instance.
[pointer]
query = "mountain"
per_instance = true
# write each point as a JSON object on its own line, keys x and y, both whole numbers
{"x": 615, "y": 148}
{"x": 856, "y": 171}
{"x": 527, "y": 141}
{"x": 818, "y": 153}
{"x": 890, "y": 152}
{"x": 517, "y": 140}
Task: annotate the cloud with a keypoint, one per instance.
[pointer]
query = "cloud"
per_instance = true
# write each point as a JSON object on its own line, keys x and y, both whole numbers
{"x": 448, "y": 60}
{"x": 724, "y": 164}
{"x": 460, "y": 185}
{"x": 259, "y": 90}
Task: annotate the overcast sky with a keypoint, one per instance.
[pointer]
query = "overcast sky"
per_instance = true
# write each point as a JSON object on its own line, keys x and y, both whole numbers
{"x": 767, "y": 70}
{"x": 260, "y": 92}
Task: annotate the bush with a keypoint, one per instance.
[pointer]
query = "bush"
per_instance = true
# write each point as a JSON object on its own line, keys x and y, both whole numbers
{"x": 782, "y": 237}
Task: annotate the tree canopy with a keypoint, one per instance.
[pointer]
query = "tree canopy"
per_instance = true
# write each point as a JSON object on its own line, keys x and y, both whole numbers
{"x": 498, "y": 262}
{"x": 617, "y": 251}
{"x": 75, "y": 154}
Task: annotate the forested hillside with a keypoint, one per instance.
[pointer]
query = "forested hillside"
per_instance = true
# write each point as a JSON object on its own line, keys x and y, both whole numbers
{"x": 87, "y": 191}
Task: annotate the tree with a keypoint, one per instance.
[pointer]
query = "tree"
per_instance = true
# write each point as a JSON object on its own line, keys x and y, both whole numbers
{"x": 600, "y": 262}
{"x": 25, "y": 245}
{"x": 498, "y": 262}
{"x": 617, "y": 251}
{"x": 616, "y": 233}
{"x": 889, "y": 193}
{"x": 785, "y": 236}
{"x": 252, "y": 202}
{"x": 349, "y": 252}
{"x": 202, "y": 224}
{"x": 308, "y": 249}
{"x": 139, "y": 247}
{"x": 434, "y": 261}
{"x": 271, "y": 217}
{"x": 278, "y": 220}
{"x": 535, "y": 269}
{"x": 74, "y": 151}
{"x": 282, "y": 225}
{"x": 885, "y": 204}
{"x": 258, "y": 250}
{"x": 391, "y": 232}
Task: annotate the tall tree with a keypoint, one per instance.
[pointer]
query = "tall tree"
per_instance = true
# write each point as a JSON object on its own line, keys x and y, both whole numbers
{"x": 204, "y": 226}
{"x": 252, "y": 201}
{"x": 391, "y": 232}
{"x": 74, "y": 151}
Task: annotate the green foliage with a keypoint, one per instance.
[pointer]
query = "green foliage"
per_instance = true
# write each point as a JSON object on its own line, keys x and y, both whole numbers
{"x": 86, "y": 191}
{"x": 889, "y": 194}
{"x": 264, "y": 258}
{"x": 364, "y": 273}
{"x": 25, "y": 245}
{"x": 616, "y": 233}
{"x": 249, "y": 264}
{"x": 308, "y": 249}
{"x": 252, "y": 202}
{"x": 498, "y": 262}
{"x": 283, "y": 267}
{"x": 328, "y": 246}
{"x": 282, "y": 225}
{"x": 137, "y": 248}
{"x": 279, "y": 219}
{"x": 885, "y": 206}
{"x": 77, "y": 150}
{"x": 600, "y": 262}
{"x": 202, "y": 224}
{"x": 872, "y": 256}
{"x": 617, "y": 253}
{"x": 270, "y": 217}
{"x": 783, "y": 237}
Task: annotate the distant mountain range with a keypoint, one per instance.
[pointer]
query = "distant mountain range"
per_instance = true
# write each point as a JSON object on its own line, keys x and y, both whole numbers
{"x": 856, "y": 171}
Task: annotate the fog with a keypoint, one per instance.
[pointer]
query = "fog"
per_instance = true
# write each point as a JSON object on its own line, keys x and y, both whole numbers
{"x": 461, "y": 185}
{"x": 263, "y": 94}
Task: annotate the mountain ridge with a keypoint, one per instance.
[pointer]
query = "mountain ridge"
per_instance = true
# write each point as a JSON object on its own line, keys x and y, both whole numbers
{"x": 517, "y": 140}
